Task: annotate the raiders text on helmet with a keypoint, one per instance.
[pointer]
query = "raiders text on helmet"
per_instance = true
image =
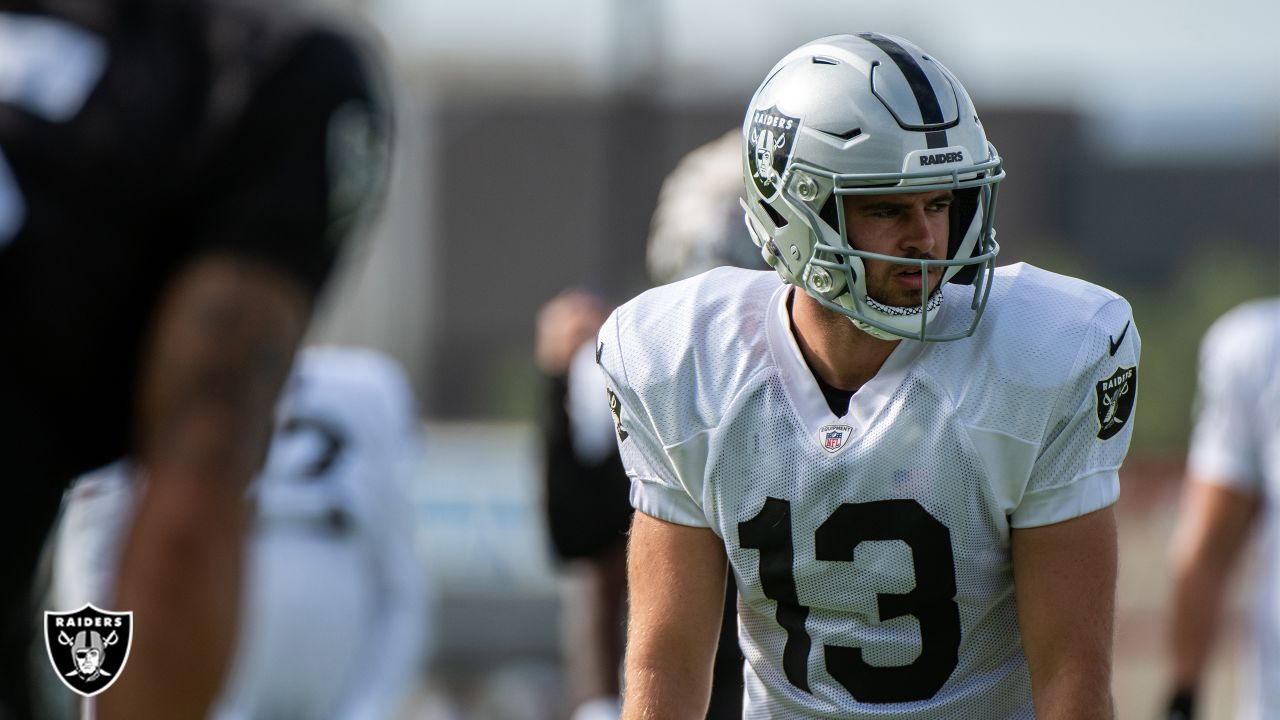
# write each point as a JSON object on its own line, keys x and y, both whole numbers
{"x": 867, "y": 114}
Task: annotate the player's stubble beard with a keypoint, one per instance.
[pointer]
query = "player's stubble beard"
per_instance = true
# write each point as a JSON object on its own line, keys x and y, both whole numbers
{"x": 885, "y": 287}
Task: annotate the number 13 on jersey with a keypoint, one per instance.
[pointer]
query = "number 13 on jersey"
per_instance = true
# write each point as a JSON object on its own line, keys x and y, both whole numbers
{"x": 932, "y": 600}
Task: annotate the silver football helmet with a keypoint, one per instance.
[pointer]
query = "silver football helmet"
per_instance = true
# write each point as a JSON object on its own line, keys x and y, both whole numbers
{"x": 867, "y": 114}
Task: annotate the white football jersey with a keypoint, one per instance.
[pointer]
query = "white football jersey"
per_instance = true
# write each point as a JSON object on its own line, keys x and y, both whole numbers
{"x": 333, "y": 614}
{"x": 1236, "y": 443}
{"x": 871, "y": 550}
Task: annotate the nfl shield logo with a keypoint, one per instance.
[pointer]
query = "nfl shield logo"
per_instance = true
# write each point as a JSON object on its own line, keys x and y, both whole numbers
{"x": 770, "y": 139}
{"x": 88, "y": 647}
{"x": 833, "y": 437}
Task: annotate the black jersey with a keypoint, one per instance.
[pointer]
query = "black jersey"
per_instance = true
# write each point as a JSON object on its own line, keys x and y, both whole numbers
{"x": 135, "y": 137}
{"x": 202, "y": 127}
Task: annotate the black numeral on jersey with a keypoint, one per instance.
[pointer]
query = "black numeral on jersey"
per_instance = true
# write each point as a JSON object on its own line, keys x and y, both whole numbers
{"x": 331, "y": 438}
{"x": 770, "y": 533}
{"x": 932, "y": 601}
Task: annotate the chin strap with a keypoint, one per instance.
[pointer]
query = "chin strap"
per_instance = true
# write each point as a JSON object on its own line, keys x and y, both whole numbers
{"x": 935, "y": 302}
{"x": 874, "y": 331}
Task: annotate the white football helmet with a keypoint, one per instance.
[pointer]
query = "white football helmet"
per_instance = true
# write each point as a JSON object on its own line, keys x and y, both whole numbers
{"x": 866, "y": 114}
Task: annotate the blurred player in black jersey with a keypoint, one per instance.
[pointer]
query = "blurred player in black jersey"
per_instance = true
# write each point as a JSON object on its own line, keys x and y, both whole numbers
{"x": 176, "y": 177}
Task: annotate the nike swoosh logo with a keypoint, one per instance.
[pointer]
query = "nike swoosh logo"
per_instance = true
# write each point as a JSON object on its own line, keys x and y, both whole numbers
{"x": 1115, "y": 343}
{"x": 600, "y": 351}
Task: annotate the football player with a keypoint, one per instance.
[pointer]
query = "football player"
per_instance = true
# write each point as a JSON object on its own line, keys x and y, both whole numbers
{"x": 907, "y": 456}
{"x": 333, "y": 613}
{"x": 175, "y": 180}
{"x": 1232, "y": 485}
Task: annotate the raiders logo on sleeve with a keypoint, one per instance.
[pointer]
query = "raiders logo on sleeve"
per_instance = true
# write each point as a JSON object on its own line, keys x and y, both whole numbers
{"x": 1115, "y": 397}
{"x": 615, "y": 407}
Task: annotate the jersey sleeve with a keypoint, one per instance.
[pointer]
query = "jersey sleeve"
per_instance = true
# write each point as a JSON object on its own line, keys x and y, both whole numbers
{"x": 657, "y": 488}
{"x": 1077, "y": 468}
{"x": 1225, "y": 446}
{"x": 301, "y": 160}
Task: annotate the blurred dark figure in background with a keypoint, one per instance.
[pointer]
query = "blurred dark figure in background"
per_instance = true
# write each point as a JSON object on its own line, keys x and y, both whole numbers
{"x": 1232, "y": 483}
{"x": 696, "y": 226}
{"x": 176, "y": 177}
{"x": 586, "y": 501}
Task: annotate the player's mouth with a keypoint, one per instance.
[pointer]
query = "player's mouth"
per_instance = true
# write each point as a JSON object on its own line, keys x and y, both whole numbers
{"x": 910, "y": 278}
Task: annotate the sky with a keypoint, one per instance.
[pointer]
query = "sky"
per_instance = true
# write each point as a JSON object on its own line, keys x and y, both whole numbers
{"x": 1155, "y": 71}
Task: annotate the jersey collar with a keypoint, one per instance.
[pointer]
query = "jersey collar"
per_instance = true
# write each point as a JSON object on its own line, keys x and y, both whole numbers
{"x": 805, "y": 394}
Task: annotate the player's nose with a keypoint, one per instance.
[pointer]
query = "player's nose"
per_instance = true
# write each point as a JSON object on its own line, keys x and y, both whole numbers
{"x": 919, "y": 235}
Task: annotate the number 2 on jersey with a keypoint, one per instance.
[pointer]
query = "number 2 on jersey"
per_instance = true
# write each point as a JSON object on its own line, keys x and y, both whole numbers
{"x": 932, "y": 601}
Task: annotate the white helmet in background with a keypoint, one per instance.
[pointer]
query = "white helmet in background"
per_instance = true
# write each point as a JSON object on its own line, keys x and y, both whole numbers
{"x": 866, "y": 114}
{"x": 697, "y": 223}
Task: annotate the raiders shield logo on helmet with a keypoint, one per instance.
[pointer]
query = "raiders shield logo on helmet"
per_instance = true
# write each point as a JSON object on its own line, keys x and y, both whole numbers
{"x": 1115, "y": 397}
{"x": 88, "y": 647}
{"x": 771, "y": 137}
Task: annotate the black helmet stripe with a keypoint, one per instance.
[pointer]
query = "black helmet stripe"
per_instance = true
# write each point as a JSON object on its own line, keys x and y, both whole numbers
{"x": 926, "y": 96}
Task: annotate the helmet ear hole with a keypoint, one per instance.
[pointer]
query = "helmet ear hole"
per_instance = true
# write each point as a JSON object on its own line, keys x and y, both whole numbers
{"x": 964, "y": 207}
{"x": 829, "y": 215}
{"x": 778, "y": 220}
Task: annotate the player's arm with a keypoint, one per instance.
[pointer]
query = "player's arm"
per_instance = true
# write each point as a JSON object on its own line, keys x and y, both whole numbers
{"x": 295, "y": 168}
{"x": 675, "y": 564}
{"x": 1213, "y": 524}
{"x": 676, "y": 576}
{"x": 222, "y": 343}
{"x": 1221, "y": 499}
{"x": 1063, "y": 541}
{"x": 1064, "y": 582}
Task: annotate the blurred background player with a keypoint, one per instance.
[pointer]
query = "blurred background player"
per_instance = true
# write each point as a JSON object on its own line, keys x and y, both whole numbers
{"x": 333, "y": 619}
{"x": 1232, "y": 487}
{"x": 176, "y": 178}
{"x": 586, "y": 503}
{"x": 697, "y": 225}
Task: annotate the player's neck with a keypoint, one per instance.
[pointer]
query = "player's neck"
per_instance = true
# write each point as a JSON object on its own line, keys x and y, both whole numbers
{"x": 839, "y": 353}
